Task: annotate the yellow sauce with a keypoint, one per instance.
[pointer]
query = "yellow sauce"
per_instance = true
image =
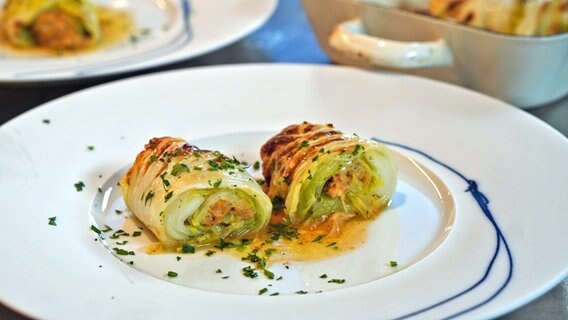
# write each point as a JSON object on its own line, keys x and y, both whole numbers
{"x": 116, "y": 26}
{"x": 309, "y": 245}
{"x": 317, "y": 244}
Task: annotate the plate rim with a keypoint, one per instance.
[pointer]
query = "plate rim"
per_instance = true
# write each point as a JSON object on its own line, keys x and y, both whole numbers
{"x": 543, "y": 287}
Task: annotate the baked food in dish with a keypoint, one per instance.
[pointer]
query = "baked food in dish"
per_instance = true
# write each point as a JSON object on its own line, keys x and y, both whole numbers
{"x": 518, "y": 17}
{"x": 53, "y": 24}
{"x": 314, "y": 173}
{"x": 185, "y": 195}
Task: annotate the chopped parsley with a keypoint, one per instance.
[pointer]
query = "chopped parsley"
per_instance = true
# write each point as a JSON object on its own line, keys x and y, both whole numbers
{"x": 178, "y": 169}
{"x": 256, "y": 165}
{"x": 168, "y": 196}
{"x": 178, "y": 258}
{"x": 90, "y": 148}
{"x": 186, "y": 248}
{"x": 282, "y": 230}
{"x": 358, "y": 147}
{"x": 249, "y": 272}
{"x": 165, "y": 182}
{"x": 254, "y": 258}
{"x": 262, "y": 291}
{"x": 216, "y": 183}
{"x": 51, "y": 221}
{"x": 136, "y": 233}
{"x": 209, "y": 253}
{"x": 117, "y": 234}
{"x": 393, "y": 263}
{"x": 304, "y": 144}
{"x": 323, "y": 276}
{"x": 218, "y": 271}
{"x": 274, "y": 294}
{"x": 149, "y": 197}
{"x": 269, "y": 274}
{"x": 46, "y": 121}
{"x": 301, "y": 292}
{"x": 278, "y": 203}
{"x": 123, "y": 252}
{"x": 79, "y": 186}
{"x": 172, "y": 274}
{"x": 95, "y": 229}
{"x": 213, "y": 165}
{"x": 339, "y": 281}
{"x": 318, "y": 238}
{"x": 152, "y": 158}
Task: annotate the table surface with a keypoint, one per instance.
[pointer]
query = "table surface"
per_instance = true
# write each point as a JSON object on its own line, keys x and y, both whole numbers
{"x": 285, "y": 38}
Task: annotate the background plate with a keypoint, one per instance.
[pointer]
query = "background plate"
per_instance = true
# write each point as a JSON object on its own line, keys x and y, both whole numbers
{"x": 195, "y": 27}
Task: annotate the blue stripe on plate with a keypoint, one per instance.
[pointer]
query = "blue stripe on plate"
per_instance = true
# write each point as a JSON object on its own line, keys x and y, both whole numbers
{"x": 483, "y": 203}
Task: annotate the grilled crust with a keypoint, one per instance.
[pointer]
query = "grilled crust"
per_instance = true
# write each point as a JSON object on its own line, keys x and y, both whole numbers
{"x": 286, "y": 151}
{"x": 158, "y": 147}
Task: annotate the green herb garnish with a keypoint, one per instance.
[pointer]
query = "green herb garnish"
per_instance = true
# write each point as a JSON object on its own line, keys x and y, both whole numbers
{"x": 51, "y": 221}
{"x": 339, "y": 281}
{"x": 278, "y": 203}
{"x": 95, "y": 229}
{"x": 178, "y": 169}
{"x": 318, "y": 238}
{"x": 249, "y": 272}
{"x": 149, "y": 197}
{"x": 172, "y": 274}
{"x": 304, "y": 144}
{"x": 186, "y": 248}
{"x": 79, "y": 186}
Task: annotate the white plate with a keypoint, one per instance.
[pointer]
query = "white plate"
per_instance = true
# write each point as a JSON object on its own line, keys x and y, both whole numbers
{"x": 167, "y": 31}
{"x": 458, "y": 254}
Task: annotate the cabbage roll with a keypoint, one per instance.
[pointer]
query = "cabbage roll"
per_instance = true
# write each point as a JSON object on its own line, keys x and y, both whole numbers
{"x": 185, "y": 195}
{"x": 52, "y": 24}
{"x": 315, "y": 173}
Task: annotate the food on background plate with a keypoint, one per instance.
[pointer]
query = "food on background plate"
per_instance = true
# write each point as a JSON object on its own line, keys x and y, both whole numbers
{"x": 317, "y": 177}
{"x": 188, "y": 196}
{"x": 60, "y": 26}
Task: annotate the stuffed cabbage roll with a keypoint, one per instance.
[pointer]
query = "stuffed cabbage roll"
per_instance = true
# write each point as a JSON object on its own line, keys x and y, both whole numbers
{"x": 185, "y": 195}
{"x": 315, "y": 173}
{"x": 51, "y": 24}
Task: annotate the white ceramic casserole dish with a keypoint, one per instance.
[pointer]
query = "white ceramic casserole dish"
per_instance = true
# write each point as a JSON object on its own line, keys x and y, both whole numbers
{"x": 524, "y": 71}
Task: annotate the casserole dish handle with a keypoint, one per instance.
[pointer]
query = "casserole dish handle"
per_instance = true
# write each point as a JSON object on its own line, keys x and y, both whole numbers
{"x": 350, "y": 38}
